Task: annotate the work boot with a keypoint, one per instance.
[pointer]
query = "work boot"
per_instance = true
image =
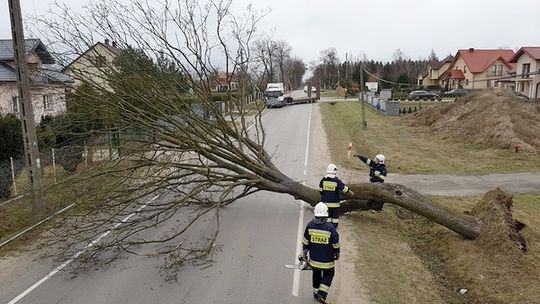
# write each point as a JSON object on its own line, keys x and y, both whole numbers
{"x": 322, "y": 300}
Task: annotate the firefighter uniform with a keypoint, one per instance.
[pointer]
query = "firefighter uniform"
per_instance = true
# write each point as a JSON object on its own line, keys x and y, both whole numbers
{"x": 331, "y": 188}
{"x": 321, "y": 240}
{"x": 377, "y": 171}
{"x": 377, "y": 174}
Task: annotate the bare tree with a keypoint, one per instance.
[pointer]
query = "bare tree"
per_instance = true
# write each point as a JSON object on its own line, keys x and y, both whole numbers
{"x": 295, "y": 68}
{"x": 186, "y": 144}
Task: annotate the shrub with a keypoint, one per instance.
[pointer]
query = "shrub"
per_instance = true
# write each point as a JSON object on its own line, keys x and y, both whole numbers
{"x": 11, "y": 145}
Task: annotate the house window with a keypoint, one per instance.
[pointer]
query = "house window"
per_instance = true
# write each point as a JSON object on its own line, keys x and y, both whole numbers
{"x": 100, "y": 61}
{"x": 47, "y": 102}
{"x": 499, "y": 70}
{"x": 466, "y": 82}
{"x": 464, "y": 70}
{"x": 525, "y": 70}
{"x": 494, "y": 70}
{"x": 430, "y": 73}
{"x": 489, "y": 83}
{"x": 15, "y": 104}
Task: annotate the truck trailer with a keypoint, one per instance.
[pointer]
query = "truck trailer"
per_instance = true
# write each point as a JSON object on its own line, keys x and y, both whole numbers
{"x": 276, "y": 97}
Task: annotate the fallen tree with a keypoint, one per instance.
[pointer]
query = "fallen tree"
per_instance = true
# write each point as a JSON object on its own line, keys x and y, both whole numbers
{"x": 208, "y": 153}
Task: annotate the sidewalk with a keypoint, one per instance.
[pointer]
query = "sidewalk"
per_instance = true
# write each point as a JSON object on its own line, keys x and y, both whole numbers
{"x": 468, "y": 185}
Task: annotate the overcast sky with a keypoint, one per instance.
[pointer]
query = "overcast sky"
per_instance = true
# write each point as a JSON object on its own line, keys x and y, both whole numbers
{"x": 378, "y": 27}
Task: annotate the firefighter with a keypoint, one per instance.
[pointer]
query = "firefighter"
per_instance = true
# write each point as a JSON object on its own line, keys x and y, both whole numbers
{"x": 377, "y": 174}
{"x": 331, "y": 188}
{"x": 321, "y": 241}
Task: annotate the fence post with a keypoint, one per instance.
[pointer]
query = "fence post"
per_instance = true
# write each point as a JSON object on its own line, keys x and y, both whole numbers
{"x": 53, "y": 165}
{"x": 13, "y": 176}
{"x": 110, "y": 145}
{"x": 85, "y": 155}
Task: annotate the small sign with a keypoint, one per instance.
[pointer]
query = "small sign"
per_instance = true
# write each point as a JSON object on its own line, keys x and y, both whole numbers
{"x": 372, "y": 86}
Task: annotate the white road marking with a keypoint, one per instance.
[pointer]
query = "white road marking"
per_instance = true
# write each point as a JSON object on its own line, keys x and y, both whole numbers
{"x": 76, "y": 255}
{"x": 300, "y": 232}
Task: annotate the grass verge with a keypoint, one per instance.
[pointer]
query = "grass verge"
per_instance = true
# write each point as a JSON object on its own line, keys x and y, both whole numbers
{"x": 17, "y": 215}
{"x": 411, "y": 150}
{"x": 489, "y": 275}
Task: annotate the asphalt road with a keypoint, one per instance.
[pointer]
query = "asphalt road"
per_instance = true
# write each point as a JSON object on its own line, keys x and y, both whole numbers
{"x": 259, "y": 234}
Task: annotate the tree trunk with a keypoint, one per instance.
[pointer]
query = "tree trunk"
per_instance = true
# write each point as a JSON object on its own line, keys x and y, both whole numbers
{"x": 465, "y": 225}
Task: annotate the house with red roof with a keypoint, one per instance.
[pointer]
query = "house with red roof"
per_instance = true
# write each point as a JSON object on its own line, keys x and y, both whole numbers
{"x": 434, "y": 72}
{"x": 224, "y": 82}
{"x": 527, "y": 61}
{"x": 479, "y": 69}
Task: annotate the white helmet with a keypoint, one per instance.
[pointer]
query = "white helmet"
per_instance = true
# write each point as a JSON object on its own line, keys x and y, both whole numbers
{"x": 380, "y": 157}
{"x": 331, "y": 169}
{"x": 321, "y": 210}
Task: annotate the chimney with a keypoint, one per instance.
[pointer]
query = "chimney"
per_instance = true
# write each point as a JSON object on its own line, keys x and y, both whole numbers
{"x": 114, "y": 43}
{"x": 106, "y": 41}
{"x": 471, "y": 50}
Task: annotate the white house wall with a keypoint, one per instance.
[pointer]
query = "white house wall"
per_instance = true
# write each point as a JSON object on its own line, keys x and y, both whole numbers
{"x": 56, "y": 97}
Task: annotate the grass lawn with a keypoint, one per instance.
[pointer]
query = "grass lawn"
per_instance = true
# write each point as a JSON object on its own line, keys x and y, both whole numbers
{"x": 410, "y": 150}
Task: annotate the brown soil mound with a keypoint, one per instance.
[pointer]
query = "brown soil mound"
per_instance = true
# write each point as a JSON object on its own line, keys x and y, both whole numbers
{"x": 501, "y": 230}
{"x": 492, "y": 117}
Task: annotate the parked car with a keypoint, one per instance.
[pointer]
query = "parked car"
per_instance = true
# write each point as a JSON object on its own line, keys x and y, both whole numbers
{"x": 456, "y": 92}
{"x": 422, "y": 94}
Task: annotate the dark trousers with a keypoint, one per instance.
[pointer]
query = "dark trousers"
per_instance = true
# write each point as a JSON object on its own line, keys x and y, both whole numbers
{"x": 322, "y": 279}
{"x": 333, "y": 216}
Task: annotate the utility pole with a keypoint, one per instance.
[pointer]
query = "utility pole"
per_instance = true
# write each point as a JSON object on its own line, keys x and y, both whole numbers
{"x": 31, "y": 150}
{"x": 364, "y": 123}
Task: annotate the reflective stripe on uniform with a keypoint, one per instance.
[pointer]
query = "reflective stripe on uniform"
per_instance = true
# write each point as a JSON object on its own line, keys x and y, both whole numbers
{"x": 377, "y": 173}
{"x": 315, "y": 290}
{"x": 382, "y": 177}
{"x": 333, "y": 220}
{"x": 322, "y": 265}
{"x": 305, "y": 241}
{"x": 368, "y": 161}
{"x": 345, "y": 189}
{"x": 319, "y": 231}
{"x": 324, "y": 288}
{"x": 336, "y": 246}
{"x": 332, "y": 205}
{"x": 329, "y": 186}
{"x": 320, "y": 189}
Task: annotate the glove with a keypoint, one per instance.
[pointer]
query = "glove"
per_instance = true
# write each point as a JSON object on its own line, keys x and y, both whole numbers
{"x": 336, "y": 256}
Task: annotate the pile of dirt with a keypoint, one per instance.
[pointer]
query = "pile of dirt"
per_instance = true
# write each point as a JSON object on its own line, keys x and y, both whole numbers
{"x": 501, "y": 230}
{"x": 492, "y": 117}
